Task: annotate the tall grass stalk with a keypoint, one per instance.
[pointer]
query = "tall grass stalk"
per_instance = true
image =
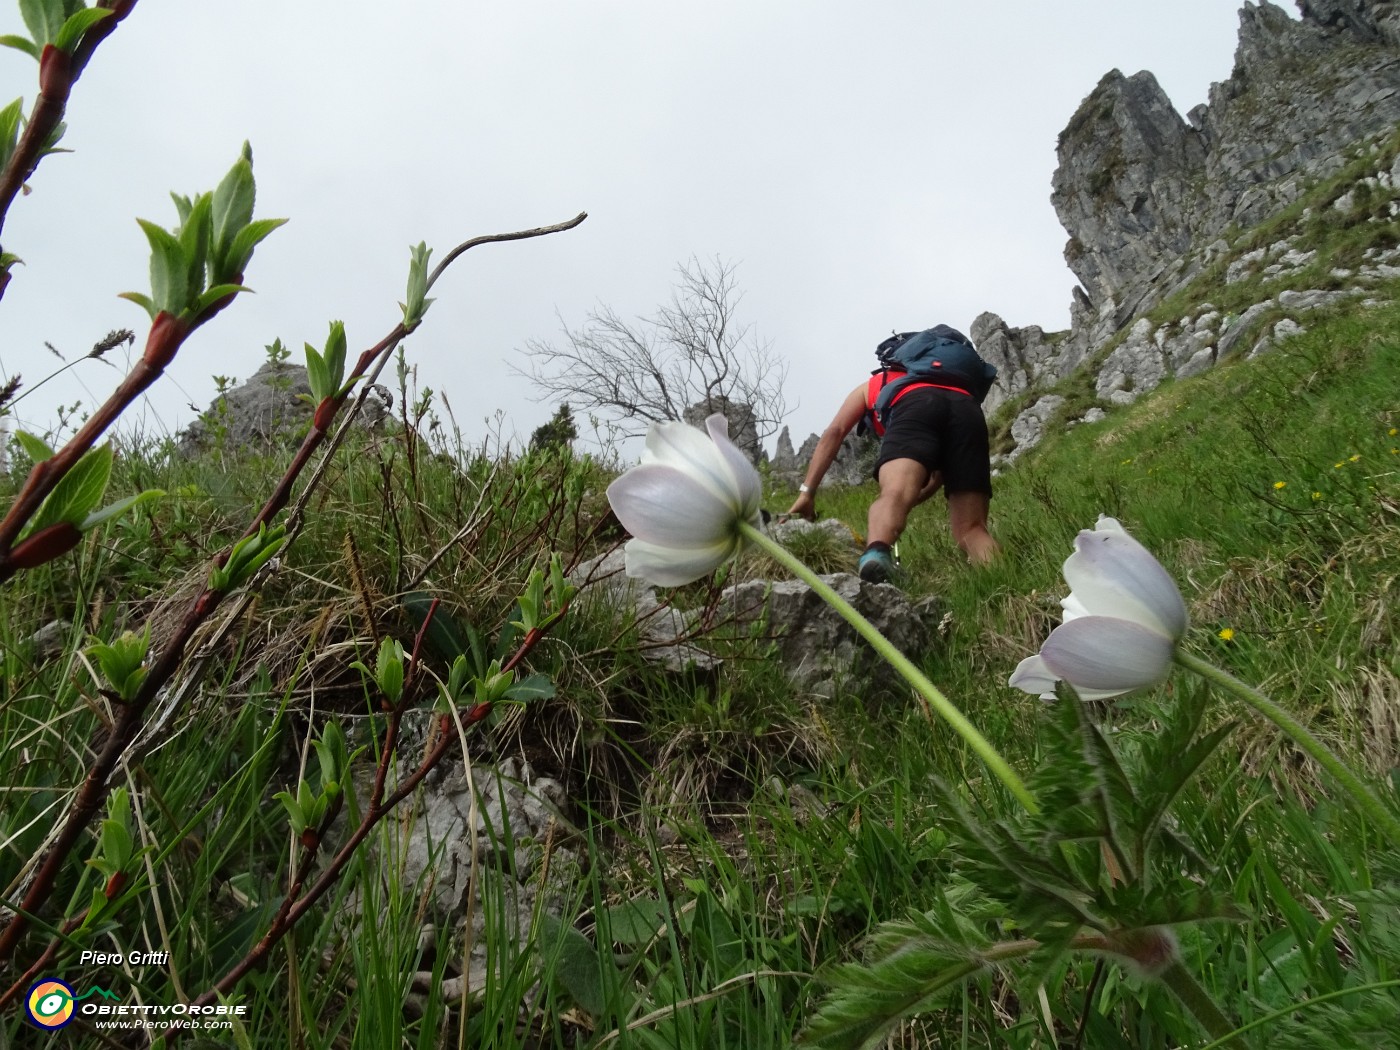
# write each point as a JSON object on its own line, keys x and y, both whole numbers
{"x": 1298, "y": 733}
{"x": 992, "y": 758}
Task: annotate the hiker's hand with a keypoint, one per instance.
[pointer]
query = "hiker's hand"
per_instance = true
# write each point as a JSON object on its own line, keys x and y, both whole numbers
{"x": 805, "y": 505}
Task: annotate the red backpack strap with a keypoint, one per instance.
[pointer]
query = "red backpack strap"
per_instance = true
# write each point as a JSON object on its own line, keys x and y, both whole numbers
{"x": 873, "y": 386}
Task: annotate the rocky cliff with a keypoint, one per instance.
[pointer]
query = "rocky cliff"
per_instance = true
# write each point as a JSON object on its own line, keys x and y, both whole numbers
{"x": 1155, "y": 202}
{"x": 1138, "y": 187}
{"x": 1151, "y": 199}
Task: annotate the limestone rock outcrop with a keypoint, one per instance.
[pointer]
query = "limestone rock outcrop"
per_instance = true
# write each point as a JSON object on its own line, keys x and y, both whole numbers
{"x": 268, "y": 411}
{"x": 1138, "y": 187}
{"x": 1152, "y": 200}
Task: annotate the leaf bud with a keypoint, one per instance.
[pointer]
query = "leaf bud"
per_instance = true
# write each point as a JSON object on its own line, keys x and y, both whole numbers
{"x": 325, "y": 414}
{"x": 167, "y": 332}
{"x": 45, "y": 545}
{"x": 55, "y": 73}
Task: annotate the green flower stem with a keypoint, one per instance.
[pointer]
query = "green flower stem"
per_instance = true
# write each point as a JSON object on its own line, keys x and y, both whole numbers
{"x": 1360, "y": 793}
{"x": 1196, "y": 999}
{"x": 1268, "y": 1019}
{"x": 916, "y": 678}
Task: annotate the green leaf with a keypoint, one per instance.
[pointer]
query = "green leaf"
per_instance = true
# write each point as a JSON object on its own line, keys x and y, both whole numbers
{"x": 76, "y": 25}
{"x": 210, "y": 296}
{"x": 77, "y": 492}
{"x": 535, "y": 687}
{"x": 306, "y": 799}
{"x": 131, "y": 685}
{"x": 51, "y": 143}
{"x": 11, "y": 118}
{"x": 578, "y": 967}
{"x": 117, "y": 509}
{"x": 122, "y": 662}
{"x": 458, "y": 676}
{"x": 635, "y": 922}
{"x": 294, "y": 813}
{"x": 248, "y": 555}
{"x": 868, "y": 1002}
{"x": 240, "y": 252}
{"x": 116, "y": 843}
{"x": 34, "y": 448}
{"x": 330, "y": 751}
{"x": 143, "y": 301}
{"x": 183, "y": 206}
{"x": 232, "y": 211}
{"x": 98, "y": 905}
{"x": 20, "y": 43}
{"x": 445, "y": 637}
{"x": 389, "y": 671}
{"x": 44, "y": 18}
{"x": 415, "y": 305}
{"x": 335, "y": 357}
{"x": 195, "y": 233}
{"x": 169, "y": 269}
{"x": 317, "y": 375}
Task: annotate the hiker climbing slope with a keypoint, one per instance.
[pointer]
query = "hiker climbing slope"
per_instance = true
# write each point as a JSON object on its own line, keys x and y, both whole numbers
{"x": 924, "y": 402}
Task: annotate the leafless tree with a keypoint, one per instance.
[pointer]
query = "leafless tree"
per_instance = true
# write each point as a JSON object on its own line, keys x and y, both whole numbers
{"x": 692, "y": 351}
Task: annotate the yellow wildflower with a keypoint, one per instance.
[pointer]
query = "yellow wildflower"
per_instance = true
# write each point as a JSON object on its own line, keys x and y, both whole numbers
{"x": 1317, "y": 495}
{"x": 1354, "y": 458}
{"x": 1280, "y": 484}
{"x": 1226, "y": 634}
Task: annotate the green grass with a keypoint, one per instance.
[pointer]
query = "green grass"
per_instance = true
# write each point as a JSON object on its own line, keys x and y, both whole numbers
{"x": 738, "y": 841}
{"x": 1301, "y": 575}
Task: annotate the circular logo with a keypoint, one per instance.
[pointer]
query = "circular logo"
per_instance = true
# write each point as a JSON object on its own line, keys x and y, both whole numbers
{"x": 49, "y": 1003}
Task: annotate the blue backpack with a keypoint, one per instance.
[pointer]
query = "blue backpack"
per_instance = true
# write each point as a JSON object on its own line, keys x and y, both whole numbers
{"x": 941, "y": 355}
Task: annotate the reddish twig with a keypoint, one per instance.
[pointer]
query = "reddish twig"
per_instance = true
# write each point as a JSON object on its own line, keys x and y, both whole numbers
{"x": 58, "y": 72}
{"x": 167, "y": 333}
{"x": 290, "y": 913}
{"x": 166, "y": 336}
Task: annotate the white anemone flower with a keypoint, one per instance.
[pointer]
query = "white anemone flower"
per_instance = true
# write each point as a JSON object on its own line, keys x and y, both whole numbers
{"x": 1123, "y": 619}
{"x": 683, "y": 503}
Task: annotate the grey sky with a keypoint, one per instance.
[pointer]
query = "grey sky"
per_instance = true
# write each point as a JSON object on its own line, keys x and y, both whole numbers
{"x": 867, "y": 166}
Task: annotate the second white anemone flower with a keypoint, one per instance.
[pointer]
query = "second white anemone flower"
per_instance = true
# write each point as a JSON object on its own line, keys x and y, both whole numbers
{"x": 1123, "y": 619}
{"x": 683, "y": 503}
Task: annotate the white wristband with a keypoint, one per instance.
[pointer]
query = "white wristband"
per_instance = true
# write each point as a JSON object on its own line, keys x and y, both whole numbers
{"x": 803, "y": 488}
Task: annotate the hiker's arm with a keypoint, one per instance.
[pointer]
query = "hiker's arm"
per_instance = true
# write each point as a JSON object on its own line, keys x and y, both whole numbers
{"x": 829, "y": 444}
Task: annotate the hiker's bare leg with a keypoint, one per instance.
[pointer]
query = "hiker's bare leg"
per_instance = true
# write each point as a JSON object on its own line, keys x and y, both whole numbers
{"x": 901, "y": 482}
{"x": 967, "y": 516}
{"x": 934, "y": 483}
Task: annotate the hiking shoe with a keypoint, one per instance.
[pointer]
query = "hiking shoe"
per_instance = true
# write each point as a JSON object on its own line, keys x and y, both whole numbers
{"x": 876, "y": 566}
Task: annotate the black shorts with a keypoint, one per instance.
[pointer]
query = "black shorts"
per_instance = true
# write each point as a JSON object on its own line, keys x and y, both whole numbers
{"x": 943, "y": 430}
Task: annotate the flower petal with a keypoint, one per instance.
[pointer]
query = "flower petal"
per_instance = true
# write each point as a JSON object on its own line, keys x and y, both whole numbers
{"x": 670, "y": 507}
{"x": 748, "y": 486}
{"x": 1102, "y": 656}
{"x": 1032, "y": 676}
{"x": 1111, "y": 574}
{"x": 674, "y": 566}
{"x": 687, "y": 449}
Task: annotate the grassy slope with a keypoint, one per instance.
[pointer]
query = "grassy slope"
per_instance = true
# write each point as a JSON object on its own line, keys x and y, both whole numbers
{"x": 1268, "y": 488}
